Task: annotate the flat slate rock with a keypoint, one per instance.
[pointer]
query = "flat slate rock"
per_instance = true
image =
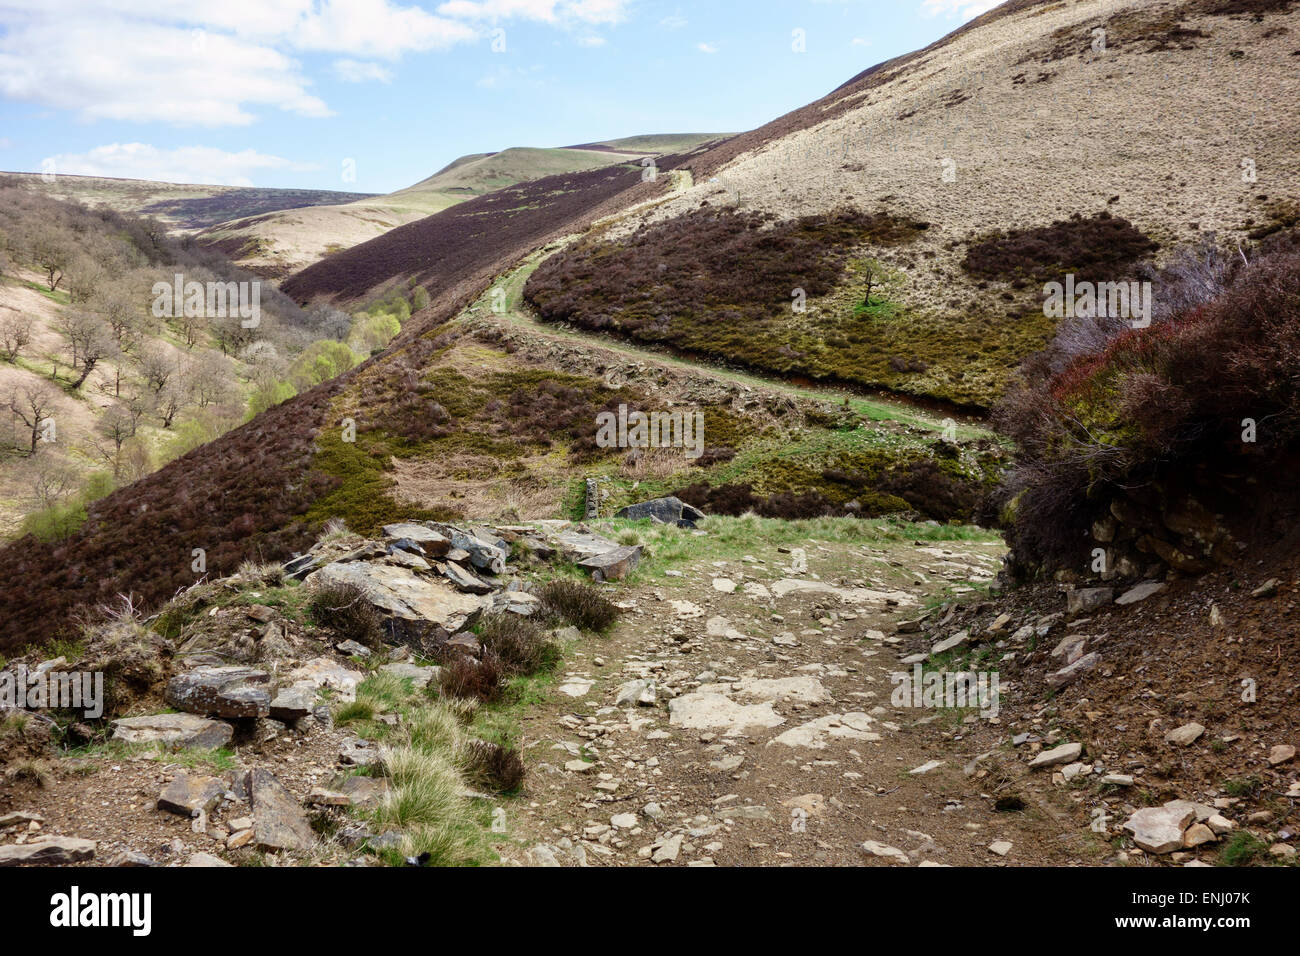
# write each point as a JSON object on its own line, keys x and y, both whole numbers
{"x": 48, "y": 851}
{"x": 279, "y": 823}
{"x": 221, "y": 691}
{"x": 401, "y": 593}
{"x": 174, "y": 730}
{"x": 431, "y": 542}
{"x": 186, "y": 795}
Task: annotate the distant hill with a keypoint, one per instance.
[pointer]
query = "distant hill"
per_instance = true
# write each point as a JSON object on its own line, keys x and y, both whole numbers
{"x": 283, "y": 242}
{"x": 183, "y": 207}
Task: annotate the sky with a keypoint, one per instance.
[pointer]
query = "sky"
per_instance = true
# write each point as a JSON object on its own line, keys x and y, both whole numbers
{"x": 374, "y": 95}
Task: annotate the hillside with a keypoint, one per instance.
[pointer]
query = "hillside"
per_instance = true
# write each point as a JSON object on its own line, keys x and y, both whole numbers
{"x": 185, "y": 208}
{"x": 1186, "y": 120}
{"x": 949, "y": 352}
{"x": 281, "y": 243}
{"x": 914, "y": 569}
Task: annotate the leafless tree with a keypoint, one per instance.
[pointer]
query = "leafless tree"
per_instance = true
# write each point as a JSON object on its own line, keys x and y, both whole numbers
{"x": 15, "y": 332}
{"x": 32, "y": 404}
{"x": 50, "y": 252}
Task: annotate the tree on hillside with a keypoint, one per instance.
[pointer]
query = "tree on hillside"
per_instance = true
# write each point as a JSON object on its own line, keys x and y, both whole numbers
{"x": 85, "y": 275}
{"x": 191, "y": 328}
{"x": 115, "y": 306}
{"x": 213, "y": 379}
{"x": 32, "y": 404}
{"x": 177, "y": 394}
{"x": 883, "y": 283}
{"x": 89, "y": 341}
{"x": 330, "y": 323}
{"x": 50, "y": 252}
{"x": 114, "y": 428}
{"x": 15, "y": 332}
{"x": 156, "y": 366}
{"x": 320, "y": 362}
{"x": 52, "y": 478}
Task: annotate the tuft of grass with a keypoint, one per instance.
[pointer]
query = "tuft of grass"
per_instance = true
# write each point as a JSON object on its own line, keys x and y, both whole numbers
{"x": 1242, "y": 849}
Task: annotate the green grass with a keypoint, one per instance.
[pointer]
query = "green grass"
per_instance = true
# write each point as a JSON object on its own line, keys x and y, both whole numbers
{"x": 668, "y": 548}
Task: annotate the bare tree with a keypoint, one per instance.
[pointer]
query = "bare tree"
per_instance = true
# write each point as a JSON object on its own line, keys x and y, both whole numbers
{"x": 212, "y": 378}
{"x": 15, "y": 332}
{"x": 89, "y": 339}
{"x": 156, "y": 367}
{"x": 177, "y": 394}
{"x": 51, "y": 252}
{"x": 114, "y": 428}
{"x": 32, "y": 404}
{"x": 52, "y": 478}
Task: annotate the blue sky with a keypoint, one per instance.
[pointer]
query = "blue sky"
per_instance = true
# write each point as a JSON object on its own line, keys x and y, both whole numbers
{"x": 285, "y": 92}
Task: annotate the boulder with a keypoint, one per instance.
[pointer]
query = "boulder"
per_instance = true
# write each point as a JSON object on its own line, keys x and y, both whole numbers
{"x": 464, "y": 579}
{"x": 1160, "y": 829}
{"x": 1070, "y": 673}
{"x": 613, "y": 565}
{"x": 293, "y": 703}
{"x": 577, "y": 546}
{"x": 429, "y": 541}
{"x": 663, "y": 510}
{"x": 1185, "y": 735}
{"x": 1083, "y": 600}
{"x": 174, "y": 730}
{"x": 420, "y": 677}
{"x": 187, "y": 795}
{"x": 349, "y": 791}
{"x": 1140, "y": 593}
{"x": 403, "y": 595}
{"x": 321, "y": 673}
{"x": 483, "y": 554}
{"x": 221, "y": 691}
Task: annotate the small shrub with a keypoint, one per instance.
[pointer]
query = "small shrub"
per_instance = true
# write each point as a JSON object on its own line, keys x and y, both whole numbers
{"x": 579, "y": 604}
{"x": 520, "y": 645}
{"x": 345, "y": 610}
{"x": 493, "y": 767}
{"x": 464, "y": 677}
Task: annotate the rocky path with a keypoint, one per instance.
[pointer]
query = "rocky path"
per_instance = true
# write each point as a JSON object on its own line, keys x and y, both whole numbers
{"x": 741, "y": 715}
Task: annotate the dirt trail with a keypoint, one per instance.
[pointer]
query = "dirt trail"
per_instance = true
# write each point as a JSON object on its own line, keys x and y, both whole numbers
{"x": 772, "y": 739}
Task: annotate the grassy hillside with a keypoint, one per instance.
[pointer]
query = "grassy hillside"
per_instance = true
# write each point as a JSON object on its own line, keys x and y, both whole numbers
{"x": 181, "y": 207}
{"x": 1180, "y": 126}
{"x": 284, "y": 242}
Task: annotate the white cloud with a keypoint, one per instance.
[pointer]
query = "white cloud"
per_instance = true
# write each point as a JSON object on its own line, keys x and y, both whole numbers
{"x": 966, "y": 9}
{"x": 199, "y": 63}
{"x": 591, "y": 41}
{"x": 185, "y": 164}
{"x": 861, "y": 41}
{"x": 706, "y": 47}
{"x": 675, "y": 22}
{"x": 359, "y": 71}
{"x": 549, "y": 11}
